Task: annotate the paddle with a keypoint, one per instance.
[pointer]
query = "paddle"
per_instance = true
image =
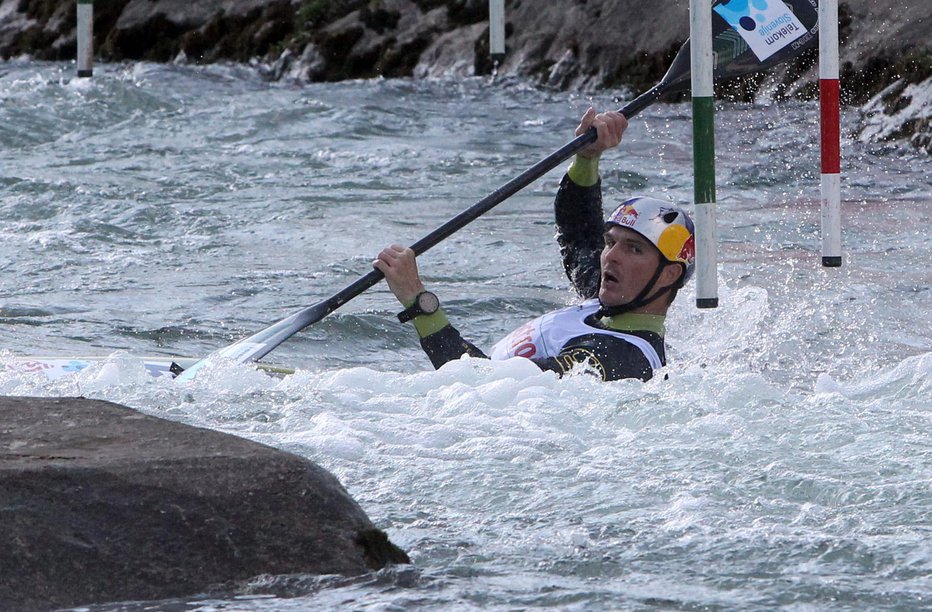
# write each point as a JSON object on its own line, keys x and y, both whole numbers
{"x": 733, "y": 58}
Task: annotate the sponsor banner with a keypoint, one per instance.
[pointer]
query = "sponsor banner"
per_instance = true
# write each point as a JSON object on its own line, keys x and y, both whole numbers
{"x": 767, "y": 26}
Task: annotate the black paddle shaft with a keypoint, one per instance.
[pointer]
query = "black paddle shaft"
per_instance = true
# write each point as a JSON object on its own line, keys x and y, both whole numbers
{"x": 490, "y": 201}
{"x": 260, "y": 344}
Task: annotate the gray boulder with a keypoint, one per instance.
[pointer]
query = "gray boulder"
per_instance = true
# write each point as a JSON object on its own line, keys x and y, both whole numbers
{"x": 101, "y": 503}
{"x": 579, "y": 44}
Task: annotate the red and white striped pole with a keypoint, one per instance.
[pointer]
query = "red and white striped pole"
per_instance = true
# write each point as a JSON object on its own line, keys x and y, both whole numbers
{"x": 830, "y": 136}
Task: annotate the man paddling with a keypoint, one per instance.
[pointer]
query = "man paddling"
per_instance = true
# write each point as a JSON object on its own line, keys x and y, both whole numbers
{"x": 627, "y": 268}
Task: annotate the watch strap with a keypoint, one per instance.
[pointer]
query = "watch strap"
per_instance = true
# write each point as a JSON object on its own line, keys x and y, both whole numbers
{"x": 410, "y": 312}
{"x": 415, "y": 309}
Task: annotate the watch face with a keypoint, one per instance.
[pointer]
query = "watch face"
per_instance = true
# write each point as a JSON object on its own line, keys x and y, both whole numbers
{"x": 428, "y": 302}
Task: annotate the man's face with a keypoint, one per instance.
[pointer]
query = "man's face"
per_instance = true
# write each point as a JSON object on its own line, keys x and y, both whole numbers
{"x": 628, "y": 261}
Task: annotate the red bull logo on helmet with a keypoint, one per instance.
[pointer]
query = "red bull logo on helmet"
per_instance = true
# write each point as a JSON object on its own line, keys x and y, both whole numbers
{"x": 688, "y": 252}
{"x": 626, "y": 216}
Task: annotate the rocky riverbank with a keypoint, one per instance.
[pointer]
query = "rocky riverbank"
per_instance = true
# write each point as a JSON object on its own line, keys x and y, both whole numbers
{"x": 584, "y": 44}
{"x": 101, "y": 503}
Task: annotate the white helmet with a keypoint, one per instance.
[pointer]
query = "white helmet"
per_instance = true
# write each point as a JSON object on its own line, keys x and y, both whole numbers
{"x": 665, "y": 225}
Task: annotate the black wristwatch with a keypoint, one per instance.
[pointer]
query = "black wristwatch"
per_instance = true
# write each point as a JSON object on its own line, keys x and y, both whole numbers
{"x": 425, "y": 303}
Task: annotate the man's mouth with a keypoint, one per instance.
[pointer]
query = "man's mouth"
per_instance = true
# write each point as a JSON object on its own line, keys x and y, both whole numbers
{"x": 609, "y": 278}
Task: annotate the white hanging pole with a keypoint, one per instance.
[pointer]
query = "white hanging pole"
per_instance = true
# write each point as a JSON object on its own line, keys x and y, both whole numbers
{"x": 830, "y": 133}
{"x": 497, "y": 30}
{"x": 703, "y": 102}
{"x": 85, "y": 34}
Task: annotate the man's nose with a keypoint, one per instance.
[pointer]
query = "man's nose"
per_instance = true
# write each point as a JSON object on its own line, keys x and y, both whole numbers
{"x": 614, "y": 252}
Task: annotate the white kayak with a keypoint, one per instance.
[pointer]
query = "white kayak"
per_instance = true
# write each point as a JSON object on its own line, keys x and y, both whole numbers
{"x": 58, "y": 367}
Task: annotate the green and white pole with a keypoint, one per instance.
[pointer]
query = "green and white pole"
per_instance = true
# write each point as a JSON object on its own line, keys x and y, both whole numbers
{"x": 703, "y": 94}
{"x": 497, "y": 30}
{"x": 85, "y": 33}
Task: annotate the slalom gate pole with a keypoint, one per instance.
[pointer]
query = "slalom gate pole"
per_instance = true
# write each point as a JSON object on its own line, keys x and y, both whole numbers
{"x": 830, "y": 133}
{"x": 497, "y": 30}
{"x": 703, "y": 102}
{"x": 85, "y": 32}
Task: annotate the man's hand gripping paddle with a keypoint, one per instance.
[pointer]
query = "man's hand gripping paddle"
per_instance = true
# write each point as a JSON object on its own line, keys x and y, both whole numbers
{"x": 733, "y": 57}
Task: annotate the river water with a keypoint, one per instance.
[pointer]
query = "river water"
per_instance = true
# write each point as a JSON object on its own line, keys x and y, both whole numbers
{"x": 785, "y": 464}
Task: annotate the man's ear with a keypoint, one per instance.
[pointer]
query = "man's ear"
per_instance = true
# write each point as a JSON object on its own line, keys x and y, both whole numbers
{"x": 671, "y": 275}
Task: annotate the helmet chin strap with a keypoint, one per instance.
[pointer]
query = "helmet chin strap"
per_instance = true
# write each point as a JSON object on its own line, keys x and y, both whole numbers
{"x": 641, "y": 298}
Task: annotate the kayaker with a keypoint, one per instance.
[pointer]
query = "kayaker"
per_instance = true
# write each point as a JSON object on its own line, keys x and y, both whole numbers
{"x": 627, "y": 268}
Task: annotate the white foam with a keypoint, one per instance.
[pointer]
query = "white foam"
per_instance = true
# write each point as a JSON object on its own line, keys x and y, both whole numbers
{"x": 826, "y": 384}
